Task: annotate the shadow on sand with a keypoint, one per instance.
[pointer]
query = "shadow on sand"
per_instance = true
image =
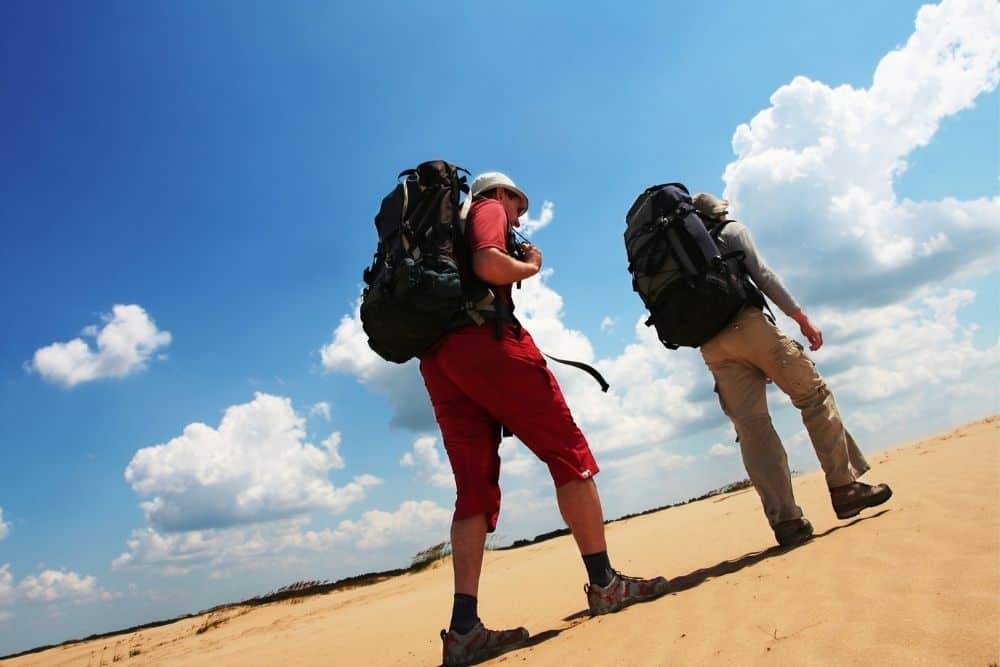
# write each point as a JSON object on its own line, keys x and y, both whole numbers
{"x": 688, "y": 581}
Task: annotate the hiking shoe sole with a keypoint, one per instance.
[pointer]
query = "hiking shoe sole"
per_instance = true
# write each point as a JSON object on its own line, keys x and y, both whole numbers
{"x": 877, "y": 495}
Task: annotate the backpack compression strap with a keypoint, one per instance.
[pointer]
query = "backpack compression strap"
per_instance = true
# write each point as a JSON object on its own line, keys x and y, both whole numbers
{"x": 586, "y": 368}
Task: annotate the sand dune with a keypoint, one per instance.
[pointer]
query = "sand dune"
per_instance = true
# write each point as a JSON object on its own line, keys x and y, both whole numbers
{"x": 915, "y": 582}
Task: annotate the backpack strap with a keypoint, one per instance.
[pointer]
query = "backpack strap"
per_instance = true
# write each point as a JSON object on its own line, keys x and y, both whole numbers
{"x": 405, "y": 232}
{"x": 489, "y": 306}
{"x": 740, "y": 255}
{"x": 586, "y": 368}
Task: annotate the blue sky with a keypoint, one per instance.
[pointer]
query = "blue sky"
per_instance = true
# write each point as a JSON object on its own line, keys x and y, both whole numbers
{"x": 188, "y": 414}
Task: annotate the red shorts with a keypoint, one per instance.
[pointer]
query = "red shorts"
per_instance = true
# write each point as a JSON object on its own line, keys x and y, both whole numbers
{"x": 476, "y": 383}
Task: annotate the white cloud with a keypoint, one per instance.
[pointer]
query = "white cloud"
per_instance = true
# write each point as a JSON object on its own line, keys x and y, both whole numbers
{"x": 401, "y": 384}
{"x": 719, "y": 449}
{"x": 518, "y": 460}
{"x": 175, "y": 554}
{"x": 608, "y": 323}
{"x": 412, "y": 523}
{"x": 321, "y": 409}
{"x": 655, "y": 395}
{"x": 124, "y": 344}
{"x": 49, "y": 587}
{"x": 647, "y": 462}
{"x": 431, "y": 465}
{"x": 531, "y": 225}
{"x": 4, "y": 527}
{"x": 256, "y": 466}
{"x": 6, "y": 584}
{"x": 55, "y": 585}
{"x": 872, "y": 351}
{"x": 332, "y": 446}
{"x": 815, "y": 171}
{"x": 178, "y": 554}
{"x": 530, "y": 507}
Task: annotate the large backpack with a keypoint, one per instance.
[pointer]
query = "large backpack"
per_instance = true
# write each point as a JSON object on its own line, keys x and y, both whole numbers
{"x": 414, "y": 292}
{"x": 690, "y": 286}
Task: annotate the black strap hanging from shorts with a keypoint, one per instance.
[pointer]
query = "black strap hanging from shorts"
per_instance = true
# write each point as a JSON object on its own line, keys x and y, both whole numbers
{"x": 586, "y": 368}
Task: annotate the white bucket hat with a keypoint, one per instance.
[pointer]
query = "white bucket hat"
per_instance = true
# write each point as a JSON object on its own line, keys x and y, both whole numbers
{"x": 494, "y": 179}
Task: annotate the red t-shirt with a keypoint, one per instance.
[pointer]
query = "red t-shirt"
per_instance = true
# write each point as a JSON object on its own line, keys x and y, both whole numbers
{"x": 486, "y": 227}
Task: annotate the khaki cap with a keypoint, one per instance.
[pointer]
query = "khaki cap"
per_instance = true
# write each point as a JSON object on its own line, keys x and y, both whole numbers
{"x": 709, "y": 206}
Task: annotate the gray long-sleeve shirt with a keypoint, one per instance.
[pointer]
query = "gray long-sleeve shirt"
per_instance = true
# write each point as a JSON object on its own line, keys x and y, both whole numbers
{"x": 736, "y": 236}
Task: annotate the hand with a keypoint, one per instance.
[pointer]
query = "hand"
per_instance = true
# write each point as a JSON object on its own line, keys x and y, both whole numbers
{"x": 532, "y": 255}
{"x": 811, "y": 332}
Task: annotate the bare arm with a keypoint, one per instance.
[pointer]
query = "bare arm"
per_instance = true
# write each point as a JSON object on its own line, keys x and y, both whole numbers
{"x": 808, "y": 329}
{"x": 496, "y": 267}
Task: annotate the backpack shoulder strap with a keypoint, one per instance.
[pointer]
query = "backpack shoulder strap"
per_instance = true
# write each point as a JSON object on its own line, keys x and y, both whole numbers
{"x": 741, "y": 256}
{"x": 717, "y": 228}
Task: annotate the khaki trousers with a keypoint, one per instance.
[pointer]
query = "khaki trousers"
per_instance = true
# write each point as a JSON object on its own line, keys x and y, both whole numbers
{"x": 741, "y": 357}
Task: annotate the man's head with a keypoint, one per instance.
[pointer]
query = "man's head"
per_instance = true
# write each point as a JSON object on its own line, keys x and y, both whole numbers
{"x": 710, "y": 207}
{"x": 495, "y": 185}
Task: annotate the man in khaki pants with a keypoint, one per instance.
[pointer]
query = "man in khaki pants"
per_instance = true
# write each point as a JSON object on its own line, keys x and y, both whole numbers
{"x": 748, "y": 353}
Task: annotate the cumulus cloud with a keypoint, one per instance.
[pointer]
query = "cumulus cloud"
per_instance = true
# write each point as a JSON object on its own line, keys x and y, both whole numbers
{"x": 177, "y": 554}
{"x": 49, "y": 587}
{"x": 518, "y": 461}
{"x": 256, "y": 466}
{"x": 124, "y": 344}
{"x": 531, "y": 225}
{"x": 6, "y": 584}
{"x": 55, "y": 585}
{"x": 815, "y": 172}
{"x": 648, "y": 462}
{"x": 430, "y": 464}
{"x": 871, "y": 352}
{"x": 321, "y": 409}
{"x": 412, "y": 523}
{"x": 608, "y": 323}
{"x": 180, "y": 553}
{"x": 719, "y": 449}
{"x": 4, "y": 527}
{"x": 400, "y": 384}
{"x": 655, "y": 395}
{"x": 332, "y": 446}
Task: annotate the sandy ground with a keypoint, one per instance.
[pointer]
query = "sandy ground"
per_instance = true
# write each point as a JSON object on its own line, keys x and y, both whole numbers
{"x": 914, "y": 582}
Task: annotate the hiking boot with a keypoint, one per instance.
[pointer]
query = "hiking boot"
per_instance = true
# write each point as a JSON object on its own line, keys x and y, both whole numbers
{"x": 850, "y": 499}
{"x": 622, "y": 591}
{"x": 479, "y": 643}
{"x": 792, "y": 532}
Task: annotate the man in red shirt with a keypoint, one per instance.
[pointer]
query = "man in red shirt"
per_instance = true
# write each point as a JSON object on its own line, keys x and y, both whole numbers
{"x": 483, "y": 378}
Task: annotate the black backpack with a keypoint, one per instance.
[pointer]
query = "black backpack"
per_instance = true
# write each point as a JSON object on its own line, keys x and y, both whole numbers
{"x": 691, "y": 288}
{"x": 414, "y": 293}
